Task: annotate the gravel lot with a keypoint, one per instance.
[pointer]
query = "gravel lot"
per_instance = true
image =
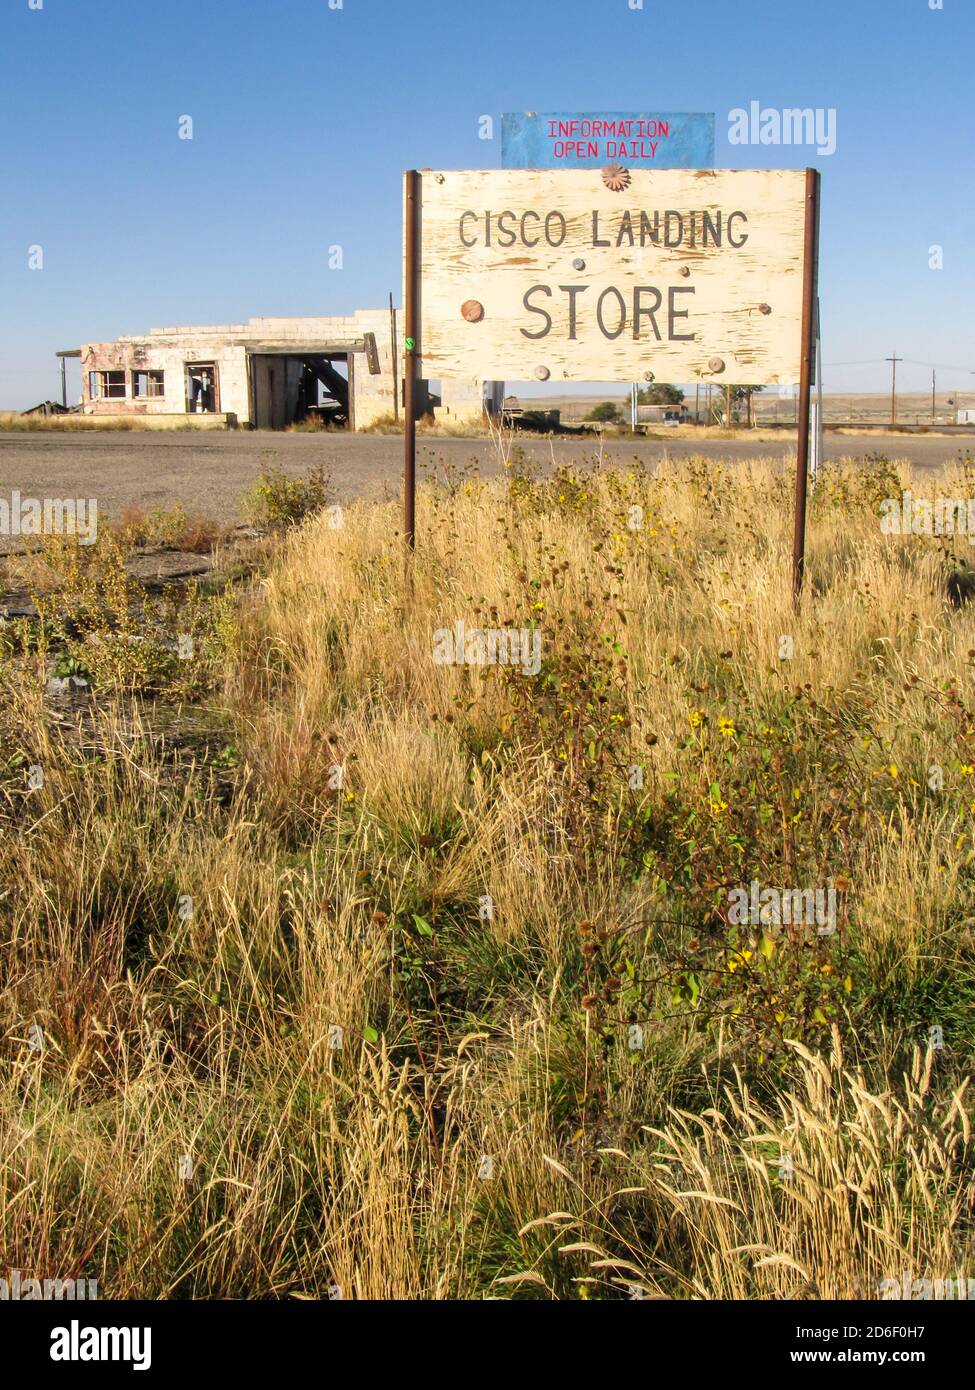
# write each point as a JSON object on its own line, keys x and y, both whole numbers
{"x": 208, "y": 472}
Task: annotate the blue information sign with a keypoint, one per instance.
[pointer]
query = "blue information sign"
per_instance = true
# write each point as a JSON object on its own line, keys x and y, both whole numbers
{"x": 652, "y": 139}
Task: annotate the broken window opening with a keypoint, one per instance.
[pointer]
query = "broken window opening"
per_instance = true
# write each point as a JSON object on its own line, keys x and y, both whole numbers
{"x": 106, "y": 386}
{"x": 148, "y": 385}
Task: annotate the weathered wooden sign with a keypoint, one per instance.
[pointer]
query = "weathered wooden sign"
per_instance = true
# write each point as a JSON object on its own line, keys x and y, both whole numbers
{"x": 567, "y": 140}
{"x": 607, "y": 275}
{"x": 611, "y": 275}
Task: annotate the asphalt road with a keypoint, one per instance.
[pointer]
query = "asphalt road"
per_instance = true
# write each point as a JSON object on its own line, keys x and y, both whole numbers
{"x": 208, "y": 472}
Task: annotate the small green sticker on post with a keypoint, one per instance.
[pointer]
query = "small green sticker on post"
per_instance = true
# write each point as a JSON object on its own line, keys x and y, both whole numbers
{"x": 410, "y": 344}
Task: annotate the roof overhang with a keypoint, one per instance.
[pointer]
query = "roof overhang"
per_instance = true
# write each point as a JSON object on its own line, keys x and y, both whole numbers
{"x": 307, "y": 349}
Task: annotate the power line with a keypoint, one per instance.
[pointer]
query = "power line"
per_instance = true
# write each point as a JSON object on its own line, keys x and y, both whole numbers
{"x": 870, "y": 362}
{"x": 938, "y": 366}
{"x": 910, "y": 361}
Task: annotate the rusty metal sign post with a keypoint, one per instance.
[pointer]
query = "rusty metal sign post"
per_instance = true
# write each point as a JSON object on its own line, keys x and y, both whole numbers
{"x": 810, "y": 291}
{"x": 411, "y": 360}
{"x": 669, "y": 275}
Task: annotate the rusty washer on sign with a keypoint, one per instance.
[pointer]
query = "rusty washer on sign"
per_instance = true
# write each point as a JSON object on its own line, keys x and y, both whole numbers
{"x": 616, "y": 178}
{"x": 578, "y": 263}
{"x": 472, "y": 310}
{"x": 649, "y": 376}
{"x": 716, "y": 364}
{"x": 685, "y": 270}
{"x": 542, "y": 373}
{"x": 765, "y": 309}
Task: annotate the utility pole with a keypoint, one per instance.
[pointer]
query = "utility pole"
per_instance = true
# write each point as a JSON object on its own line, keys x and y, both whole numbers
{"x": 934, "y": 395}
{"x": 893, "y": 386}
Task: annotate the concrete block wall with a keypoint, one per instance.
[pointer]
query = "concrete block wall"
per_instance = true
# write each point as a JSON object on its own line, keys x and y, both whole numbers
{"x": 375, "y": 396}
{"x": 467, "y": 402}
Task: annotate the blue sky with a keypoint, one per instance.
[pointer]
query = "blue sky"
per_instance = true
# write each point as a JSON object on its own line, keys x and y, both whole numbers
{"x": 306, "y": 116}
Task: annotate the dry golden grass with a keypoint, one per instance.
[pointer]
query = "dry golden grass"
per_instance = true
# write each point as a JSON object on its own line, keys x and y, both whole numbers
{"x": 188, "y": 930}
{"x": 824, "y": 1194}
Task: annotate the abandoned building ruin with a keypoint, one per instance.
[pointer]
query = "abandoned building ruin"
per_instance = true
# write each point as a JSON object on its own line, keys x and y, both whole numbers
{"x": 268, "y": 373}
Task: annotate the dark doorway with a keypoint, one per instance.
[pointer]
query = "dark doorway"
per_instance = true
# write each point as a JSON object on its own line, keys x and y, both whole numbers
{"x": 306, "y": 388}
{"x": 202, "y": 388}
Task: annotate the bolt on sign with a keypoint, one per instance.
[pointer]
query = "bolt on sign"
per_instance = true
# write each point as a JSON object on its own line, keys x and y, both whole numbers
{"x": 611, "y": 275}
{"x": 560, "y": 140}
